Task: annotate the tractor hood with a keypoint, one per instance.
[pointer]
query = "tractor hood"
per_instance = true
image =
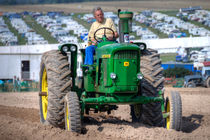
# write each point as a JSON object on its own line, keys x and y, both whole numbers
{"x": 189, "y": 77}
{"x": 108, "y": 50}
{"x": 121, "y": 60}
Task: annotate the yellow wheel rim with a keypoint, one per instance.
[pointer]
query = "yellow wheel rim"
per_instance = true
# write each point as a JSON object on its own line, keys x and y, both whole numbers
{"x": 168, "y": 118}
{"x": 44, "y": 98}
{"x": 67, "y": 117}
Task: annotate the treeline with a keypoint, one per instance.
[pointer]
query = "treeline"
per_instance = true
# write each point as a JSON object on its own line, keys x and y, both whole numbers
{"x": 18, "y": 2}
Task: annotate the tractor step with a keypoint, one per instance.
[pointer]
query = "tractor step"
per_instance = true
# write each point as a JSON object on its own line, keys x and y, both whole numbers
{"x": 42, "y": 93}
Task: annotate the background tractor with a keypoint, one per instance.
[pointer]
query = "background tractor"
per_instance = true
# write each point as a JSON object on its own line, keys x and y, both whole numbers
{"x": 122, "y": 73}
{"x": 202, "y": 79}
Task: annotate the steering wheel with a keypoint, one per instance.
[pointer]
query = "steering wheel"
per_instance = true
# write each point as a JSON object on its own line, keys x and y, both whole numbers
{"x": 105, "y": 28}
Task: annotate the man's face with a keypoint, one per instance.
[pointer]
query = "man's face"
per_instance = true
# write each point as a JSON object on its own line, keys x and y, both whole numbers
{"x": 99, "y": 16}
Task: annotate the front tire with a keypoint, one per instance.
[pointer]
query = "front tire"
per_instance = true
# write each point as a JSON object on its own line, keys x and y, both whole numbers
{"x": 72, "y": 113}
{"x": 191, "y": 85}
{"x": 173, "y": 106}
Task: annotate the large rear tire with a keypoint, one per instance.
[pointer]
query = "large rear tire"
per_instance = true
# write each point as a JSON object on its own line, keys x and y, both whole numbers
{"x": 173, "y": 106}
{"x": 55, "y": 82}
{"x": 72, "y": 113}
{"x": 151, "y": 84}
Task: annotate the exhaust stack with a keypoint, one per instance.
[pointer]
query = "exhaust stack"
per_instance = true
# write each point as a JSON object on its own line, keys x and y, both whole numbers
{"x": 125, "y": 25}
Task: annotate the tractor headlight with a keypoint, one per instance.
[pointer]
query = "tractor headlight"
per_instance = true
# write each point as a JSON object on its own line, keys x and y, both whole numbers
{"x": 140, "y": 76}
{"x": 113, "y": 75}
{"x": 142, "y": 46}
{"x": 65, "y": 48}
{"x": 73, "y": 48}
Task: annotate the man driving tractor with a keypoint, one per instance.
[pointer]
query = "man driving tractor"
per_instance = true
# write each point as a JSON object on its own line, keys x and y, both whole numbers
{"x": 99, "y": 23}
{"x": 124, "y": 73}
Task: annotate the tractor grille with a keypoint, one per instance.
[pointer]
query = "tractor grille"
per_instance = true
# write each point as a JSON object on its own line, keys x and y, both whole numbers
{"x": 127, "y": 54}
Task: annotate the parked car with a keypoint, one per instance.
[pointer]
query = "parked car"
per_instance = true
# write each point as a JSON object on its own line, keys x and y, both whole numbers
{"x": 177, "y": 34}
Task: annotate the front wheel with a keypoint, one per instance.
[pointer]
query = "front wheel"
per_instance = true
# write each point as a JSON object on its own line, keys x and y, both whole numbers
{"x": 173, "y": 107}
{"x": 191, "y": 85}
{"x": 72, "y": 113}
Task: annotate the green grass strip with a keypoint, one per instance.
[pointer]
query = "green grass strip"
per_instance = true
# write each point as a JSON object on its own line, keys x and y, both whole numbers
{"x": 166, "y": 57}
{"x": 199, "y": 24}
{"x": 80, "y": 21}
{"x": 169, "y": 13}
{"x": 21, "y": 40}
{"x": 39, "y": 29}
{"x": 1, "y": 44}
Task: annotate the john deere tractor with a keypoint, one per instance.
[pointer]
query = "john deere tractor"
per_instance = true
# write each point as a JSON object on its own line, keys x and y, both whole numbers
{"x": 122, "y": 73}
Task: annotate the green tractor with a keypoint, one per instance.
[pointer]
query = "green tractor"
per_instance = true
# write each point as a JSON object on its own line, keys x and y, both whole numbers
{"x": 122, "y": 73}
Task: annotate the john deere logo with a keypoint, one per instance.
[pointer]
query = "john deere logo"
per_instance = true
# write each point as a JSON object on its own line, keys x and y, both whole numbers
{"x": 106, "y": 56}
{"x": 126, "y": 64}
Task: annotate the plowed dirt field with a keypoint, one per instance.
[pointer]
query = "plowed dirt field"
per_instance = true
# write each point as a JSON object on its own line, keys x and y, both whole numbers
{"x": 19, "y": 120}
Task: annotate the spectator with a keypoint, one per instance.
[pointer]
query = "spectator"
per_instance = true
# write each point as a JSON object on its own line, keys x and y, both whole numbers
{"x": 14, "y": 84}
{"x": 18, "y": 84}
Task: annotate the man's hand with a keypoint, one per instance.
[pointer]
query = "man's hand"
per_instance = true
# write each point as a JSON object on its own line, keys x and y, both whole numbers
{"x": 92, "y": 42}
{"x": 116, "y": 35}
{"x": 110, "y": 38}
{"x": 113, "y": 36}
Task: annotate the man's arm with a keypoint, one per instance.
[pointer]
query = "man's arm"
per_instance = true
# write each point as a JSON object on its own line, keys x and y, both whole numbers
{"x": 116, "y": 35}
{"x": 113, "y": 28}
{"x": 91, "y": 40}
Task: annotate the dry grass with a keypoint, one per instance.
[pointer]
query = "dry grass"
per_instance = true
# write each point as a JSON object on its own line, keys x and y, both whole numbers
{"x": 110, "y": 6}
